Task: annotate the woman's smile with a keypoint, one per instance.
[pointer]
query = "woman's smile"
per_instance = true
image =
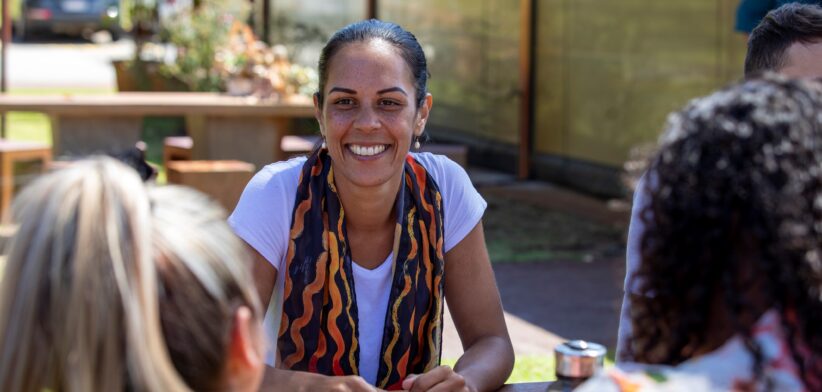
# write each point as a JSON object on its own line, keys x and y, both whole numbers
{"x": 367, "y": 151}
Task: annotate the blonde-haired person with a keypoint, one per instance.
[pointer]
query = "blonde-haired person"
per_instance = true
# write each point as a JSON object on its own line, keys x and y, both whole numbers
{"x": 209, "y": 310}
{"x": 78, "y": 301}
{"x": 103, "y": 274}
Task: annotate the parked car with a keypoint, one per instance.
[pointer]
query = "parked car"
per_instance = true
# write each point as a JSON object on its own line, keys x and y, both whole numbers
{"x": 73, "y": 17}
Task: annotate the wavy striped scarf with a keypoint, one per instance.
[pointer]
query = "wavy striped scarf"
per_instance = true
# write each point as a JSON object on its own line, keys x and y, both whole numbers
{"x": 318, "y": 331}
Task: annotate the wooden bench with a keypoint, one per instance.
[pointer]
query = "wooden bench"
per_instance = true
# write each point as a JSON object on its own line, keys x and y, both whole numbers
{"x": 297, "y": 145}
{"x": 11, "y": 153}
{"x": 223, "y": 180}
{"x": 177, "y": 148}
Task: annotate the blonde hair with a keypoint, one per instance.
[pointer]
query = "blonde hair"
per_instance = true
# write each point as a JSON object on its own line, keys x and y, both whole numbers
{"x": 78, "y": 303}
{"x": 204, "y": 277}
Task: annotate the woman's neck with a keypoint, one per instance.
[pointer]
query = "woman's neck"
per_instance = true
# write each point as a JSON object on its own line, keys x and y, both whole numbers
{"x": 368, "y": 209}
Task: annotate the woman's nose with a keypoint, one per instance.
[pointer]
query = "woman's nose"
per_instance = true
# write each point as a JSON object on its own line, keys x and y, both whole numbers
{"x": 367, "y": 119}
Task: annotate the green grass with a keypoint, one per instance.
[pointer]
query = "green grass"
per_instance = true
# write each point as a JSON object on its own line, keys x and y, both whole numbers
{"x": 28, "y": 126}
{"x": 526, "y": 369}
{"x": 534, "y": 368}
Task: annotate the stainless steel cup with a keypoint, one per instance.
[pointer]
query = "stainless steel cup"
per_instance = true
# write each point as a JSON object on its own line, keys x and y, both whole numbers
{"x": 578, "y": 359}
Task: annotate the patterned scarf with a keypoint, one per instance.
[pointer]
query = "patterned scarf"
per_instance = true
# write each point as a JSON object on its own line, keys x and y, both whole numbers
{"x": 319, "y": 332}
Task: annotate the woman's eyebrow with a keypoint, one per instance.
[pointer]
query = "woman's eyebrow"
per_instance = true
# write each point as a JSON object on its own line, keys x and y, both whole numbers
{"x": 392, "y": 89}
{"x": 342, "y": 90}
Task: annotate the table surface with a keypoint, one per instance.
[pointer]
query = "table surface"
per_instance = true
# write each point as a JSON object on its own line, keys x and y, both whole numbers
{"x": 526, "y": 387}
{"x": 158, "y": 103}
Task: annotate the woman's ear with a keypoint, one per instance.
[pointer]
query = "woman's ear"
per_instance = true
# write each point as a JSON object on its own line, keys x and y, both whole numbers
{"x": 422, "y": 114}
{"x": 244, "y": 365}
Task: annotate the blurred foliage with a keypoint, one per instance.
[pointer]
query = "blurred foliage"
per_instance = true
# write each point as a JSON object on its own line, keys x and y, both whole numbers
{"x": 257, "y": 68}
{"x": 197, "y": 35}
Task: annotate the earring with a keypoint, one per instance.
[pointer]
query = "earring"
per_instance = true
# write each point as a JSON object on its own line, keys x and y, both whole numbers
{"x": 323, "y": 143}
{"x": 417, "y": 143}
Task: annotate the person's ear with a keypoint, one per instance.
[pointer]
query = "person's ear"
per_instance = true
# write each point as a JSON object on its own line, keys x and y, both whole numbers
{"x": 245, "y": 351}
{"x": 422, "y": 114}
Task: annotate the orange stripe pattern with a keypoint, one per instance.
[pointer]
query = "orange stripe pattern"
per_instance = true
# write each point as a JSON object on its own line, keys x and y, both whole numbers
{"x": 318, "y": 331}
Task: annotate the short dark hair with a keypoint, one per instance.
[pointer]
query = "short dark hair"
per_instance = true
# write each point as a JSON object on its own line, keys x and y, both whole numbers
{"x": 780, "y": 29}
{"x": 366, "y": 30}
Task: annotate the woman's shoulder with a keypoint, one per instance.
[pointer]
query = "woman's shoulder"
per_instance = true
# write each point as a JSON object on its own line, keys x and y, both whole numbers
{"x": 272, "y": 186}
{"x": 278, "y": 176}
{"x": 282, "y": 170}
{"x": 440, "y": 166}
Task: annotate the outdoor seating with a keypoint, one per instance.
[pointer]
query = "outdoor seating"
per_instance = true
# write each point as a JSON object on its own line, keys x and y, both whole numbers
{"x": 296, "y": 145}
{"x": 177, "y": 148}
{"x": 222, "y": 180}
{"x": 11, "y": 153}
{"x": 221, "y": 126}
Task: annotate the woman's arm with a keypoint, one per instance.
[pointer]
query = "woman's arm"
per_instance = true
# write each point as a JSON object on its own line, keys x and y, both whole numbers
{"x": 265, "y": 277}
{"x": 474, "y": 302}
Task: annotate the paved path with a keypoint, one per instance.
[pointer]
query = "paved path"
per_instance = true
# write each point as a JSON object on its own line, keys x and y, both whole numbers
{"x": 60, "y": 63}
{"x": 549, "y": 301}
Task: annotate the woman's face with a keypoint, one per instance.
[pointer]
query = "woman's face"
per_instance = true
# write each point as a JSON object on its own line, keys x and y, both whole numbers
{"x": 370, "y": 116}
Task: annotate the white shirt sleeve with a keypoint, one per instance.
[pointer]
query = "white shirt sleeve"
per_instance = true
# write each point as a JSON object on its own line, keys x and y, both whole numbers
{"x": 463, "y": 206}
{"x": 633, "y": 257}
{"x": 262, "y": 217}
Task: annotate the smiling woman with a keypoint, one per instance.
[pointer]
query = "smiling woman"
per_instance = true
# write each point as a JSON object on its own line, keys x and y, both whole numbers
{"x": 355, "y": 277}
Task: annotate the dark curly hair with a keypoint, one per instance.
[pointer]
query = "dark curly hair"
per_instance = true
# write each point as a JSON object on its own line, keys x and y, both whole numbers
{"x": 735, "y": 225}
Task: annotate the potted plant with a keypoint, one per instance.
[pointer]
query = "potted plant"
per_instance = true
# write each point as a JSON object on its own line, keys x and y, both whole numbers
{"x": 142, "y": 71}
{"x": 195, "y": 37}
{"x": 250, "y": 66}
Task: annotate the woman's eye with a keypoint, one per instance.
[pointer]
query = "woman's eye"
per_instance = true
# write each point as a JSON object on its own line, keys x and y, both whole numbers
{"x": 344, "y": 101}
{"x": 388, "y": 102}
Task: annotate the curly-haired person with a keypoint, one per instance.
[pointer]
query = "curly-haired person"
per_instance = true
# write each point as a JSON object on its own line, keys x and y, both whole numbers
{"x": 789, "y": 42}
{"x": 731, "y": 273}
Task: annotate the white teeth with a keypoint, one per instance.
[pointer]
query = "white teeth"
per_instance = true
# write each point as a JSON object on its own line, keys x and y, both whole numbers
{"x": 366, "y": 151}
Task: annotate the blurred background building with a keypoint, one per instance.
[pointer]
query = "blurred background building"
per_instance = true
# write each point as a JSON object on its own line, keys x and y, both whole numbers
{"x": 560, "y": 90}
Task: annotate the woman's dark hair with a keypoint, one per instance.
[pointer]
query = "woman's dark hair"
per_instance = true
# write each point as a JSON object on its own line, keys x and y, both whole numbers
{"x": 366, "y": 30}
{"x": 735, "y": 220}
{"x": 780, "y": 29}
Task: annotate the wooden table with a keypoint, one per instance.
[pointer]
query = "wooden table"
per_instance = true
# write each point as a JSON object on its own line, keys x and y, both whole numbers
{"x": 526, "y": 387}
{"x": 222, "y": 126}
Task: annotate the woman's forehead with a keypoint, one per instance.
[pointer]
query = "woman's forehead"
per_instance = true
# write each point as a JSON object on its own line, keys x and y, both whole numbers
{"x": 370, "y": 62}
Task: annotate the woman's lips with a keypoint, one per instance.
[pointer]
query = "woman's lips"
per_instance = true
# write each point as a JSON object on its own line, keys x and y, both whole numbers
{"x": 367, "y": 151}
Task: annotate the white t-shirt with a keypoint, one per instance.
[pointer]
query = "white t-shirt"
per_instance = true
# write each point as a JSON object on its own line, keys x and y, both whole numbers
{"x": 263, "y": 219}
{"x": 633, "y": 257}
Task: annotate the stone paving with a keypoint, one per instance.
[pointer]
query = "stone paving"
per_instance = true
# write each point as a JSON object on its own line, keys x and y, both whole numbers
{"x": 568, "y": 284}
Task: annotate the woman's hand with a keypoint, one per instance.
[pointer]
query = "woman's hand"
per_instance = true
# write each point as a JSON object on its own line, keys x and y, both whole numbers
{"x": 439, "y": 379}
{"x": 343, "y": 384}
{"x": 289, "y": 380}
